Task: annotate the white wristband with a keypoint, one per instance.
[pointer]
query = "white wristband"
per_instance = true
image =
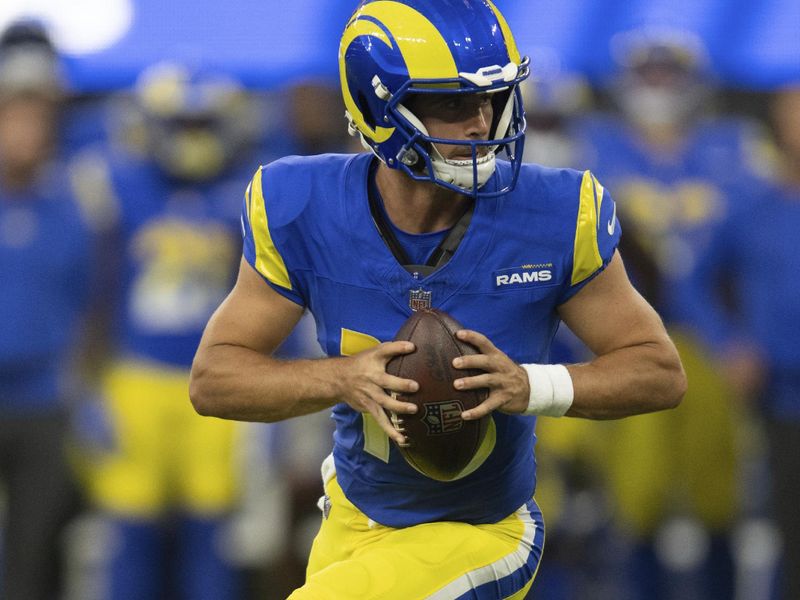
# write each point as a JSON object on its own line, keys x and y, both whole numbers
{"x": 551, "y": 390}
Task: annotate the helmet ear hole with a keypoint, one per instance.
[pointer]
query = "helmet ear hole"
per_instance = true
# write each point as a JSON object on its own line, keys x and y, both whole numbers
{"x": 363, "y": 105}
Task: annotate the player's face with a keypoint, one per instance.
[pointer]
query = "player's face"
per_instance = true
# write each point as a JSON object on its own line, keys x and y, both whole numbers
{"x": 26, "y": 131}
{"x": 663, "y": 75}
{"x": 455, "y": 117}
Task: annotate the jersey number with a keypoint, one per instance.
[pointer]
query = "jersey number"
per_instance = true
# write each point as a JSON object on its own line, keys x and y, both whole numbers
{"x": 376, "y": 442}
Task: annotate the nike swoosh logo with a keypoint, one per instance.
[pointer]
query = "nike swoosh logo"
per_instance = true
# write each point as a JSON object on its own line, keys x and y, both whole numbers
{"x": 612, "y": 224}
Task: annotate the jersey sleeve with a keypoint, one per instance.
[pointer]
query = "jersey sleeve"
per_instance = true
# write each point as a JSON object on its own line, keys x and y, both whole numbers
{"x": 596, "y": 237}
{"x": 262, "y": 247}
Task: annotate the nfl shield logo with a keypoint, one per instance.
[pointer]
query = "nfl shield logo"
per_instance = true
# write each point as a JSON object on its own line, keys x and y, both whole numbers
{"x": 443, "y": 417}
{"x": 419, "y": 299}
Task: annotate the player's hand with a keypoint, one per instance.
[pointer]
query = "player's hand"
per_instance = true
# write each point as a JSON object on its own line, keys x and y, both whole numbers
{"x": 368, "y": 387}
{"x": 509, "y": 389}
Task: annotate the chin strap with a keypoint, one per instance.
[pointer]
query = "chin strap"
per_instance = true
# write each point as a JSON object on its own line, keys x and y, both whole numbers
{"x": 459, "y": 172}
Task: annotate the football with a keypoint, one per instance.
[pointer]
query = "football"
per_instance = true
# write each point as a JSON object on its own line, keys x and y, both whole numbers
{"x": 440, "y": 443}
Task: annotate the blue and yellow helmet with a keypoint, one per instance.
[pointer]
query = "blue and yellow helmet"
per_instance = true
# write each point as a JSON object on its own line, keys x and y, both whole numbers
{"x": 393, "y": 48}
{"x": 194, "y": 120}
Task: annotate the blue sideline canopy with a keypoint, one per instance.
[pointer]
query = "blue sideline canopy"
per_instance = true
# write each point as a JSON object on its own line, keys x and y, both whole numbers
{"x": 267, "y": 43}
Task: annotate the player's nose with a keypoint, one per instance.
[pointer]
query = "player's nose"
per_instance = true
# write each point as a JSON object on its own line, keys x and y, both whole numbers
{"x": 479, "y": 121}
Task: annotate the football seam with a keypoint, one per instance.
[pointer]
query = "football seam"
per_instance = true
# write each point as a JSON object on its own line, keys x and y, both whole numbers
{"x": 399, "y": 370}
{"x": 451, "y": 334}
{"x": 402, "y": 357}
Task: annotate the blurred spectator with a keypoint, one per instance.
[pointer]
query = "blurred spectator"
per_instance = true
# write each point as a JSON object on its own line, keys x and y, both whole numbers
{"x": 45, "y": 265}
{"x": 552, "y": 103}
{"x": 167, "y": 482}
{"x": 314, "y": 123}
{"x": 668, "y": 157}
{"x": 569, "y": 488}
{"x": 669, "y": 162}
{"x": 754, "y": 327}
{"x": 316, "y": 113}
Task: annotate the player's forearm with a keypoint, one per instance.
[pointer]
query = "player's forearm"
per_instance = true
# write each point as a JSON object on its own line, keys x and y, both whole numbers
{"x": 638, "y": 379}
{"x": 233, "y": 382}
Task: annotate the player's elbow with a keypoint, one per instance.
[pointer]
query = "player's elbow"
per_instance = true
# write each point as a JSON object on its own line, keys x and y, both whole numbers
{"x": 200, "y": 394}
{"x": 199, "y": 401}
{"x": 678, "y": 389}
{"x": 675, "y": 383}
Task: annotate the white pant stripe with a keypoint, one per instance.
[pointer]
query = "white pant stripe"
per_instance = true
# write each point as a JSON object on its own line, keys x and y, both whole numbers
{"x": 498, "y": 569}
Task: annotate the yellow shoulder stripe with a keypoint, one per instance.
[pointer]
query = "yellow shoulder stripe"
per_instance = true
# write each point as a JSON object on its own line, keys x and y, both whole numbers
{"x": 248, "y": 198}
{"x": 586, "y": 258}
{"x": 268, "y": 260}
{"x": 598, "y": 194}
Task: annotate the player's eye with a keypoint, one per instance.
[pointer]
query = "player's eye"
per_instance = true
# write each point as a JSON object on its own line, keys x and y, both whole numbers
{"x": 453, "y": 103}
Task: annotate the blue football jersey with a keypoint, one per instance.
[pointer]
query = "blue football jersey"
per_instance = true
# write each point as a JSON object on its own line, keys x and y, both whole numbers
{"x": 309, "y": 232}
{"x": 46, "y": 269}
{"x": 673, "y": 200}
{"x": 753, "y": 255}
{"x": 178, "y": 249}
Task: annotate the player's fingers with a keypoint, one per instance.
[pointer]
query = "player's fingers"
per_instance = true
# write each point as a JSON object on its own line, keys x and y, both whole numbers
{"x": 480, "y": 341}
{"x": 391, "y": 401}
{"x": 492, "y": 403}
{"x": 387, "y": 350}
{"x": 393, "y": 430}
{"x": 484, "y": 380}
{"x": 398, "y": 384}
{"x": 482, "y": 362}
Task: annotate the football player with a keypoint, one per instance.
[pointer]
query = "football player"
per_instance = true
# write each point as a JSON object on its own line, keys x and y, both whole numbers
{"x": 753, "y": 330}
{"x": 430, "y": 216}
{"x": 676, "y": 169}
{"x": 167, "y": 481}
{"x": 46, "y": 264}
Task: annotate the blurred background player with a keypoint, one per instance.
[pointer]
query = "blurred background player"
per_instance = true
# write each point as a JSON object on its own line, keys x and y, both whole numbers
{"x": 677, "y": 170}
{"x": 268, "y": 528}
{"x": 553, "y": 102}
{"x": 570, "y": 486}
{"x": 309, "y": 122}
{"x": 672, "y": 157}
{"x": 45, "y": 270}
{"x": 172, "y": 182}
{"x": 753, "y": 327}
